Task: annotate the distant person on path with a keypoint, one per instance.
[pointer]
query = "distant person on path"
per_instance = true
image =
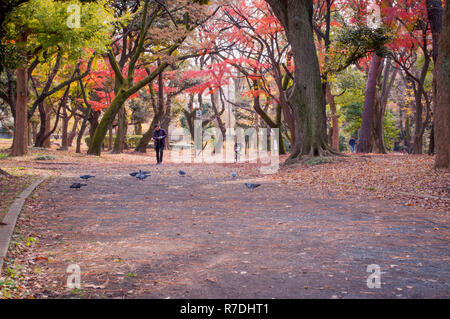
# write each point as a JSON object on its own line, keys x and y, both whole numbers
{"x": 159, "y": 136}
{"x": 352, "y": 143}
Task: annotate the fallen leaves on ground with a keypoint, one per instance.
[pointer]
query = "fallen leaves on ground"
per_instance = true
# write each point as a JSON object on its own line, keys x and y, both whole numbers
{"x": 409, "y": 180}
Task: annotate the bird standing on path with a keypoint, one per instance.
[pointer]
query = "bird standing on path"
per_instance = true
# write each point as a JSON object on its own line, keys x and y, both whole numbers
{"x": 77, "y": 185}
{"x": 86, "y": 177}
{"x": 141, "y": 172}
{"x": 252, "y": 186}
{"x": 142, "y": 176}
{"x": 234, "y": 174}
{"x": 182, "y": 173}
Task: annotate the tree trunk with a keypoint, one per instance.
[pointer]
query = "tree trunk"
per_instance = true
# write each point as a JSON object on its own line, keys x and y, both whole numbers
{"x": 366, "y": 131}
{"x": 431, "y": 145}
{"x": 434, "y": 13}
{"x": 121, "y": 135}
{"x": 108, "y": 118}
{"x": 110, "y": 137}
{"x": 334, "y": 119}
{"x": 282, "y": 149}
{"x": 138, "y": 128}
{"x": 82, "y": 129}
{"x": 65, "y": 128}
{"x": 418, "y": 124}
{"x": 34, "y": 131}
{"x": 442, "y": 110}
{"x": 306, "y": 99}
{"x": 45, "y": 121}
{"x": 20, "y": 142}
{"x": 73, "y": 133}
{"x": 93, "y": 121}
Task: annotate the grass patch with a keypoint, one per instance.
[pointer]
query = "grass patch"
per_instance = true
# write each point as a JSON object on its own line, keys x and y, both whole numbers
{"x": 45, "y": 158}
{"x": 318, "y": 161}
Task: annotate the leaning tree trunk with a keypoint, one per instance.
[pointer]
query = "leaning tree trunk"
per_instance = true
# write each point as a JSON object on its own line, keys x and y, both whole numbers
{"x": 108, "y": 117}
{"x": 306, "y": 100}
{"x": 366, "y": 131}
{"x": 442, "y": 110}
{"x": 20, "y": 142}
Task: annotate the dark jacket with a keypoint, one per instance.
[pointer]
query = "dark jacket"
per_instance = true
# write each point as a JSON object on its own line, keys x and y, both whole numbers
{"x": 159, "y": 142}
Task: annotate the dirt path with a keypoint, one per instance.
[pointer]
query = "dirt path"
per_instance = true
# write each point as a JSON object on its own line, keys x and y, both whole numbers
{"x": 206, "y": 236}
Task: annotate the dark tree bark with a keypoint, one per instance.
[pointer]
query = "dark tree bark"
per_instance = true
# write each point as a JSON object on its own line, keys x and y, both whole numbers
{"x": 442, "y": 110}
{"x": 307, "y": 98}
{"x": 65, "y": 127}
{"x": 389, "y": 76}
{"x": 366, "y": 131}
{"x": 218, "y": 114}
{"x": 119, "y": 142}
{"x": 93, "y": 124}
{"x": 20, "y": 141}
{"x": 434, "y": 13}
{"x": 45, "y": 111}
{"x": 73, "y": 132}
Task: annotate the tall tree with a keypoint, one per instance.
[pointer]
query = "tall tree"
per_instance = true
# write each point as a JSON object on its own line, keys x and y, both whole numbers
{"x": 366, "y": 133}
{"x": 442, "y": 111}
{"x": 434, "y": 13}
{"x": 306, "y": 99}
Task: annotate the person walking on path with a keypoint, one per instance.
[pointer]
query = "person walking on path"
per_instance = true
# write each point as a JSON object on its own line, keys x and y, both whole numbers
{"x": 352, "y": 143}
{"x": 159, "y": 136}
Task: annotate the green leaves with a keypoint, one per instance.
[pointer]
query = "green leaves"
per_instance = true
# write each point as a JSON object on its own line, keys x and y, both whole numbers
{"x": 354, "y": 43}
{"x": 48, "y": 24}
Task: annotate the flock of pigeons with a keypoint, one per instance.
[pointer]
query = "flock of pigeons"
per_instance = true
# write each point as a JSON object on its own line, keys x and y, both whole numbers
{"x": 141, "y": 175}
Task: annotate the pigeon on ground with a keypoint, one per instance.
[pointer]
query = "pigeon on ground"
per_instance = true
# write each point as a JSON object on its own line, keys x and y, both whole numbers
{"x": 234, "y": 174}
{"x": 142, "y": 176}
{"x": 252, "y": 186}
{"x": 141, "y": 172}
{"x": 86, "y": 177}
{"x": 181, "y": 172}
{"x": 77, "y": 185}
